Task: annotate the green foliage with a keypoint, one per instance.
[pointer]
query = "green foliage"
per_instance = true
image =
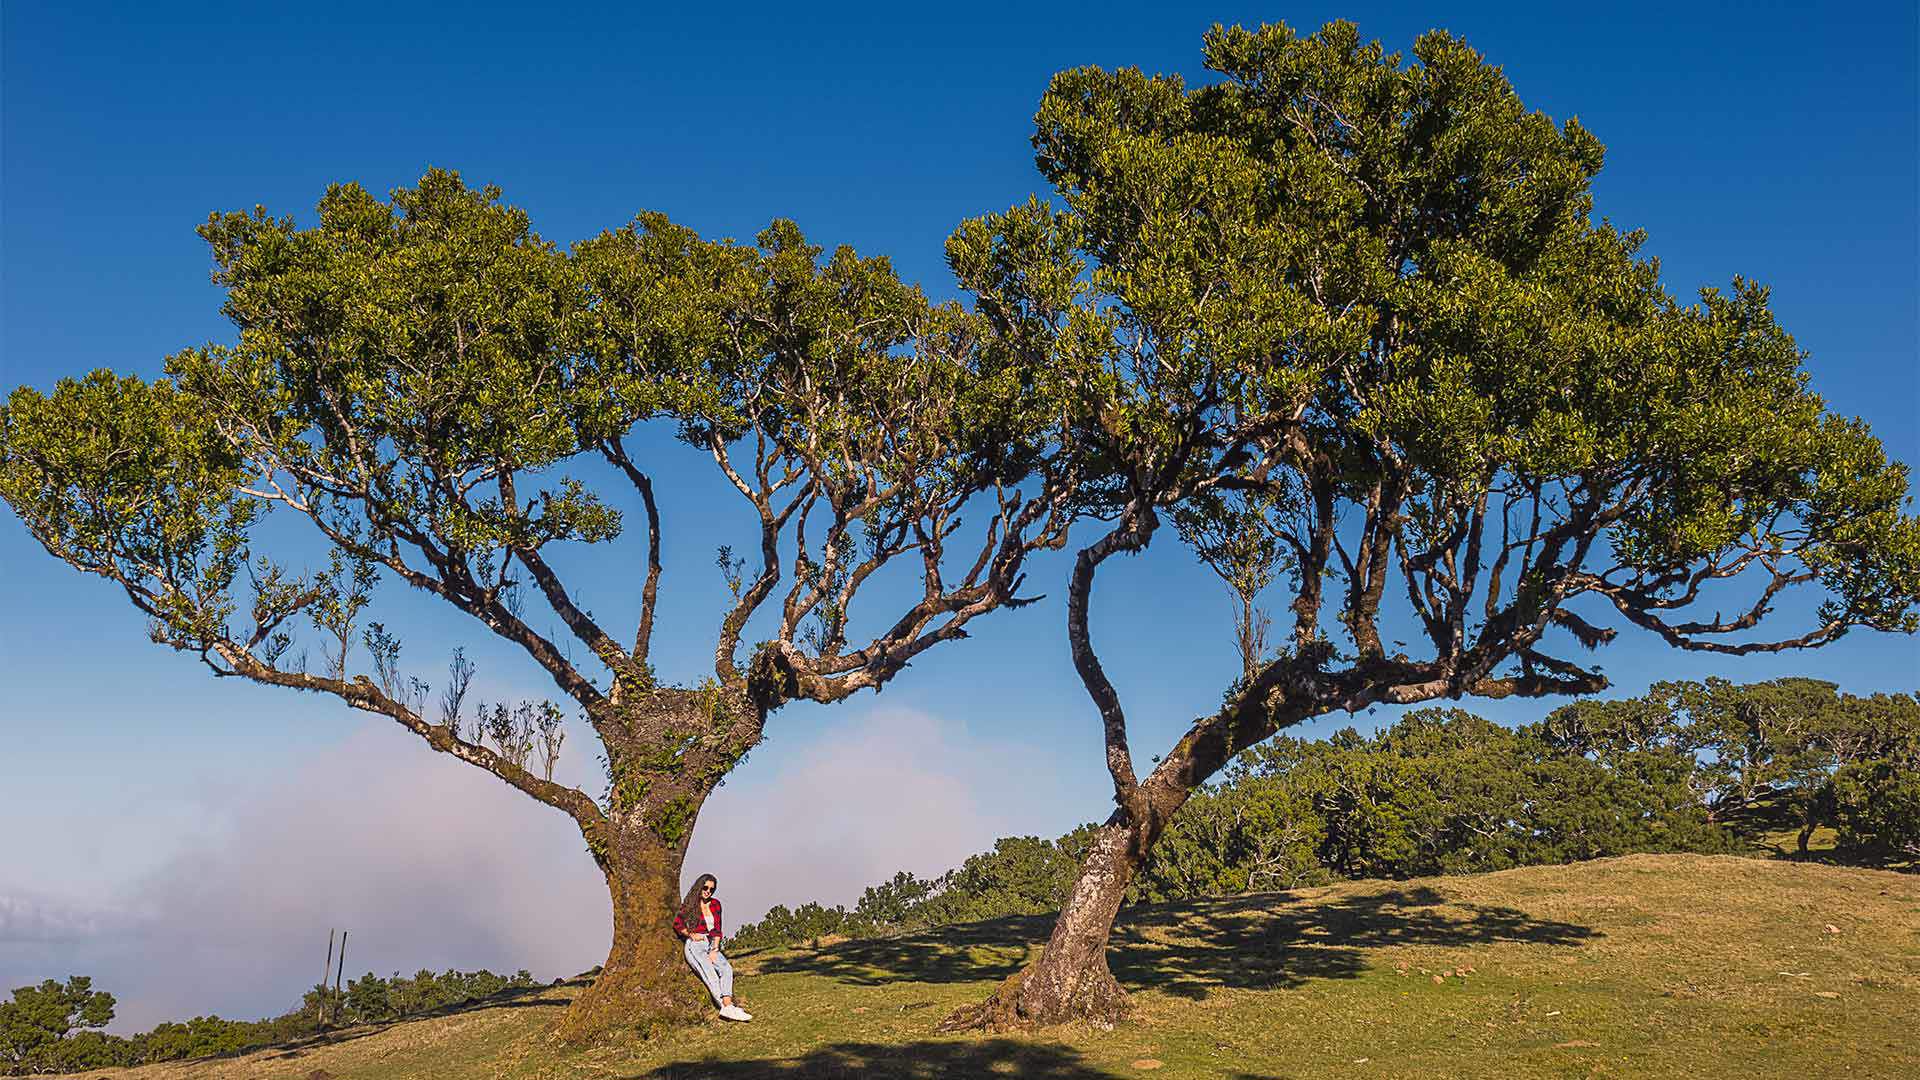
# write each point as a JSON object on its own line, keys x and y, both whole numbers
{"x": 1254, "y": 831}
{"x": 1358, "y": 301}
{"x": 417, "y": 379}
{"x": 1368, "y": 288}
{"x": 202, "y": 1036}
{"x": 673, "y": 820}
{"x": 391, "y": 358}
{"x": 809, "y": 923}
{"x": 1022, "y": 875}
{"x": 43, "y": 1029}
{"x": 38, "y": 1025}
{"x": 1876, "y": 805}
{"x": 1441, "y": 791}
{"x": 831, "y": 354}
{"x": 1789, "y": 753}
{"x": 125, "y": 479}
{"x": 437, "y": 326}
{"x": 895, "y": 904}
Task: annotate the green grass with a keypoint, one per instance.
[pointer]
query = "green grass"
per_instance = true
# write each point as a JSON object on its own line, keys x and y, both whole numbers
{"x": 1642, "y": 966}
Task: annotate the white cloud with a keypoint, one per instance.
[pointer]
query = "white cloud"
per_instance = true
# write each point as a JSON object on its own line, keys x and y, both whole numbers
{"x": 33, "y": 920}
{"x": 884, "y": 790}
{"x": 433, "y": 864}
{"x": 427, "y": 863}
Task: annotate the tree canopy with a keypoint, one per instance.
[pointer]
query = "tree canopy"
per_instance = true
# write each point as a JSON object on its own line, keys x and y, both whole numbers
{"x": 53, "y": 1026}
{"x": 1347, "y": 316}
{"x": 445, "y": 399}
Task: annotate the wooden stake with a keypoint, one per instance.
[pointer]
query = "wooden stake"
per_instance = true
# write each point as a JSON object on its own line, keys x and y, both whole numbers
{"x": 328, "y": 966}
{"x": 343, "y": 961}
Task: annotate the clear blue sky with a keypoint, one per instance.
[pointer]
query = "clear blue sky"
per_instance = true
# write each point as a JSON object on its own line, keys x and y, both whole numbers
{"x": 1776, "y": 141}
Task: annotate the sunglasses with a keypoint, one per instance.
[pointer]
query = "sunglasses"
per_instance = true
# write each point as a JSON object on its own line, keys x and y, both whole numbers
{"x": 706, "y": 888}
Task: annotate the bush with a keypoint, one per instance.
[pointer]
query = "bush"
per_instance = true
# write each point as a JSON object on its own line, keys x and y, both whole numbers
{"x": 45, "y": 1028}
{"x": 1022, "y": 875}
{"x": 1875, "y": 805}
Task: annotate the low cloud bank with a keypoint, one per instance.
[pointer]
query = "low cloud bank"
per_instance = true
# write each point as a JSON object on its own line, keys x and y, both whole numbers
{"x": 887, "y": 790}
{"x": 433, "y": 864}
{"x": 34, "y": 921}
{"x": 426, "y": 862}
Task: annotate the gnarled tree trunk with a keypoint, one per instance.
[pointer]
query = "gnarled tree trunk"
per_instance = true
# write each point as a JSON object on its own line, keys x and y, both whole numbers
{"x": 644, "y": 982}
{"x": 1072, "y": 979}
{"x": 667, "y": 751}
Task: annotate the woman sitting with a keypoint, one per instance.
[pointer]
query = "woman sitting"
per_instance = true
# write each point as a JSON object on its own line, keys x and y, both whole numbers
{"x": 698, "y": 921}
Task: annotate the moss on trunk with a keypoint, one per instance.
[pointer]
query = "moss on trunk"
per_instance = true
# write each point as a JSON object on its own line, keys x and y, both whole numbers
{"x": 644, "y": 983}
{"x": 667, "y": 750}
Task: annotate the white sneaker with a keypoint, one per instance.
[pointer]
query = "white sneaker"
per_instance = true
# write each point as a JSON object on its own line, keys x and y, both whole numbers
{"x": 734, "y": 1012}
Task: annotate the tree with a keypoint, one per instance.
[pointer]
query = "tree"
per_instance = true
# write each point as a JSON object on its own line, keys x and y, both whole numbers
{"x": 894, "y": 904}
{"x": 1259, "y": 828}
{"x": 1875, "y": 805}
{"x": 36, "y": 1024}
{"x": 1788, "y": 753}
{"x": 1022, "y": 875}
{"x": 1365, "y": 290}
{"x": 1760, "y": 738}
{"x": 434, "y": 391}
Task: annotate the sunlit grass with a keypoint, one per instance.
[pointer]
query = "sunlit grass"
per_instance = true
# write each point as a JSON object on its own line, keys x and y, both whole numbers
{"x": 1642, "y": 966}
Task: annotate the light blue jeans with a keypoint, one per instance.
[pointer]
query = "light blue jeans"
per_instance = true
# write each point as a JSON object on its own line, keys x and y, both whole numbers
{"x": 716, "y": 973}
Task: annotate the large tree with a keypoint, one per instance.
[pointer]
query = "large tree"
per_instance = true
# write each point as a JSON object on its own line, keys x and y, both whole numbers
{"x": 1346, "y": 318}
{"x": 434, "y": 392}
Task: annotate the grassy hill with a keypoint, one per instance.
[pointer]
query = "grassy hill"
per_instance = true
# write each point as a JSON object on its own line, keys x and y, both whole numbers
{"x": 1642, "y": 966}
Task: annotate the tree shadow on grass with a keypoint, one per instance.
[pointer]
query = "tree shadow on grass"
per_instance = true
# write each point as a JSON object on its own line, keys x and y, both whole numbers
{"x": 532, "y": 997}
{"x": 1265, "y": 942}
{"x": 1268, "y": 941}
{"x": 967, "y": 1060}
{"x": 1864, "y": 858}
{"x": 965, "y": 953}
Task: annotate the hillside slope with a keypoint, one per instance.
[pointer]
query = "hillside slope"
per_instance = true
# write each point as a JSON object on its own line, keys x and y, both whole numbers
{"x": 1641, "y": 966}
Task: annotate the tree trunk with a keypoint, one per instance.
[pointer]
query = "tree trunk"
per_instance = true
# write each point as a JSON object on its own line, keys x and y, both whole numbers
{"x": 667, "y": 751}
{"x": 645, "y": 982}
{"x": 1072, "y": 980}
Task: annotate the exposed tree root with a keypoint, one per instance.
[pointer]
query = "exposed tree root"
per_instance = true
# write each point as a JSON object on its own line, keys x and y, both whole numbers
{"x": 1096, "y": 997}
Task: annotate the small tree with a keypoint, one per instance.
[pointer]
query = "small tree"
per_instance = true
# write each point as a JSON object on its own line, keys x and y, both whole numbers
{"x": 1367, "y": 290}
{"x": 423, "y": 383}
{"x": 35, "y": 1025}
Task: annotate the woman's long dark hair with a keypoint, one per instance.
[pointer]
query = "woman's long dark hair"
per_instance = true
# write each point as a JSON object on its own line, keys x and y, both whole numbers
{"x": 690, "y": 913}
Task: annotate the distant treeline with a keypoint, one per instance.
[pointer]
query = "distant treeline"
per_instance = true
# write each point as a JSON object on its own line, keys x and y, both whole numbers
{"x": 52, "y": 1028}
{"x": 1689, "y": 766}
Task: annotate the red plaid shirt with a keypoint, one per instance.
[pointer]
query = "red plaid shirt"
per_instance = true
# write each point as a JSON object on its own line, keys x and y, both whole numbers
{"x": 696, "y": 928}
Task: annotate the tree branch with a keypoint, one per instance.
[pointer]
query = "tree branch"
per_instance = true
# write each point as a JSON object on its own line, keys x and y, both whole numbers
{"x": 616, "y": 452}
{"x": 1133, "y": 533}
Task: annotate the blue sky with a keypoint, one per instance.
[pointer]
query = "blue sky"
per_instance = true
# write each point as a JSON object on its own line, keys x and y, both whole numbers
{"x": 1776, "y": 141}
